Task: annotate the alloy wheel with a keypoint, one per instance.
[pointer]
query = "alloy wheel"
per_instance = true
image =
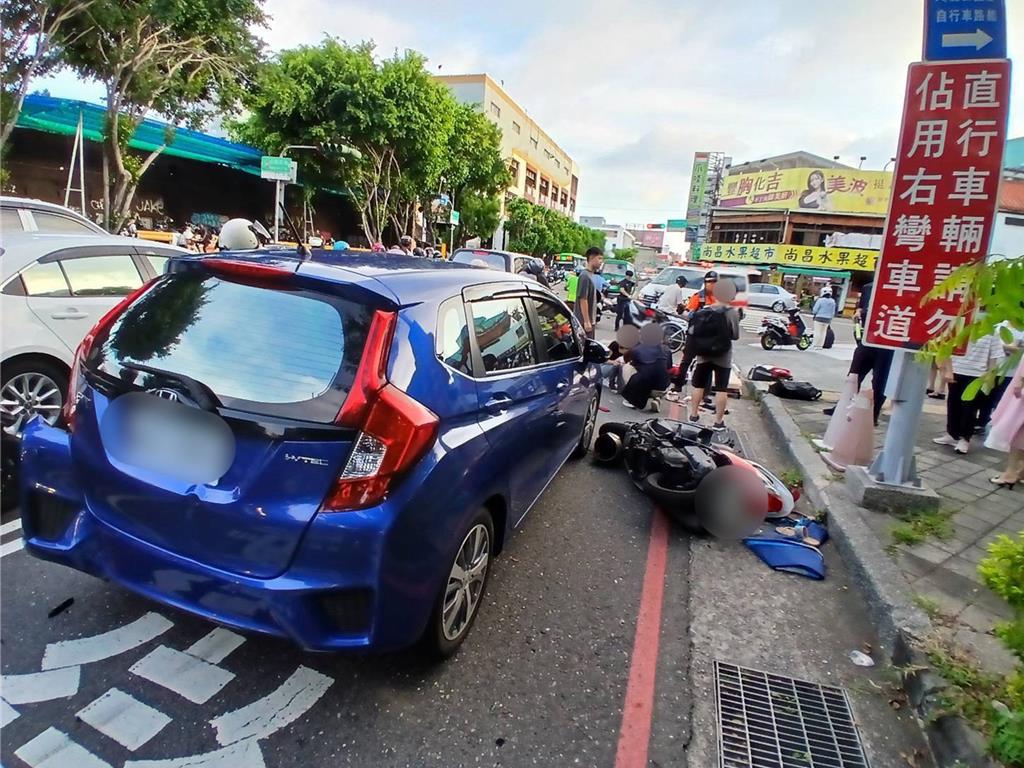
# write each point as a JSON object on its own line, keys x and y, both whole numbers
{"x": 27, "y": 395}
{"x": 466, "y": 582}
{"x": 674, "y": 337}
{"x": 588, "y": 425}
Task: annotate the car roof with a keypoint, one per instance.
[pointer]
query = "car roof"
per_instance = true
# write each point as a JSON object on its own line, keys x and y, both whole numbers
{"x": 19, "y": 249}
{"x": 7, "y": 201}
{"x": 399, "y": 278}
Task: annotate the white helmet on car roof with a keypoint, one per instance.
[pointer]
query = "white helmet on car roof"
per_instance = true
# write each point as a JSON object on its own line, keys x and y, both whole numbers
{"x": 242, "y": 235}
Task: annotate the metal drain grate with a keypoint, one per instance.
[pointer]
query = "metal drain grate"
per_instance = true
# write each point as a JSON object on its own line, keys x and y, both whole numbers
{"x": 771, "y": 721}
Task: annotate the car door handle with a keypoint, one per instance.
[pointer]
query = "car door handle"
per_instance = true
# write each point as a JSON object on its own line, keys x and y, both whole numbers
{"x": 69, "y": 314}
{"x": 498, "y": 404}
{"x": 562, "y": 386}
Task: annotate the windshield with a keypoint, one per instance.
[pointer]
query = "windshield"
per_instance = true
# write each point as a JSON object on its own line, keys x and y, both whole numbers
{"x": 668, "y": 275}
{"x": 231, "y": 338}
{"x": 488, "y": 259}
{"x": 617, "y": 268}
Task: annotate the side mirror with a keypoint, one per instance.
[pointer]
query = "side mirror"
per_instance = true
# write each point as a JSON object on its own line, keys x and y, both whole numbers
{"x": 594, "y": 352}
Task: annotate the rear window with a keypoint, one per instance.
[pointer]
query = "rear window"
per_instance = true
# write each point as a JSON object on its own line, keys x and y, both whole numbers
{"x": 56, "y": 223}
{"x": 286, "y": 353}
{"x": 10, "y": 221}
{"x": 481, "y": 259}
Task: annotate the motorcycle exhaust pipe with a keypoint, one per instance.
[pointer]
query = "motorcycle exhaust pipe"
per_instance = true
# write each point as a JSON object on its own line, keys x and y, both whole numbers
{"x": 608, "y": 449}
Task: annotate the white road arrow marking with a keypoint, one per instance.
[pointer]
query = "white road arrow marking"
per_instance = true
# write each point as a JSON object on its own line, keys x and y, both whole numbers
{"x": 8, "y": 527}
{"x": 977, "y": 39}
{"x": 12, "y": 546}
{"x": 40, "y": 686}
{"x": 8, "y": 714}
{"x": 244, "y": 754}
{"x": 54, "y": 749}
{"x": 123, "y": 718}
{"x": 86, "y": 650}
{"x": 279, "y": 708}
{"x": 215, "y": 646}
{"x": 192, "y": 678}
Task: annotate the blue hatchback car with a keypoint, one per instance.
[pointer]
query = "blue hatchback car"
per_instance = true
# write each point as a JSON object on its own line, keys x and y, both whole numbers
{"x": 329, "y": 450}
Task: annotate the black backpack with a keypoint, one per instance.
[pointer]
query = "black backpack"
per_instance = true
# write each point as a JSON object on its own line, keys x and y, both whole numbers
{"x": 795, "y": 390}
{"x": 709, "y": 333}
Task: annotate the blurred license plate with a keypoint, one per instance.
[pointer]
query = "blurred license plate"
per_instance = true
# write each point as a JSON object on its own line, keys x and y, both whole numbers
{"x": 175, "y": 440}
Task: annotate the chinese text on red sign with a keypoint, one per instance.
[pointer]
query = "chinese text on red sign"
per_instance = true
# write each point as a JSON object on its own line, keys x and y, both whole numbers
{"x": 944, "y": 195}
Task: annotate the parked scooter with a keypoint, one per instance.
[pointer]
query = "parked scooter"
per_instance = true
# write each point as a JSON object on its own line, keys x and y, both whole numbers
{"x": 777, "y": 332}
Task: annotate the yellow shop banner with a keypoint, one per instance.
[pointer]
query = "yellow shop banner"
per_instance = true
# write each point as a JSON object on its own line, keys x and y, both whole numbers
{"x": 850, "y": 259}
{"x": 814, "y": 189}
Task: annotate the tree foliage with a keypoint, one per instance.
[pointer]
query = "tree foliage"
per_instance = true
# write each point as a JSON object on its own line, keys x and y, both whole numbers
{"x": 479, "y": 215}
{"x": 413, "y": 138}
{"x": 537, "y": 230}
{"x": 31, "y": 35}
{"x": 626, "y": 254}
{"x": 182, "y": 59}
{"x": 993, "y": 296}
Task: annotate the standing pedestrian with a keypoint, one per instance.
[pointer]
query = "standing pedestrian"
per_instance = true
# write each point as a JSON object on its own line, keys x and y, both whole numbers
{"x": 626, "y": 287}
{"x": 980, "y": 356}
{"x": 407, "y": 245}
{"x": 1007, "y": 433}
{"x": 587, "y": 296}
{"x": 713, "y": 330}
{"x": 1009, "y": 349}
{"x": 695, "y": 303}
{"x": 823, "y": 311}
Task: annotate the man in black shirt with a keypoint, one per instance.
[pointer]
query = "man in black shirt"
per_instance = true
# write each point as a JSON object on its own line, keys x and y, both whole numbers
{"x": 626, "y": 287}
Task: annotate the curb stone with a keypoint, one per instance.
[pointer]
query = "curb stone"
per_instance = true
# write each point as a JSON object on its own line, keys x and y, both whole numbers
{"x": 901, "y": 625}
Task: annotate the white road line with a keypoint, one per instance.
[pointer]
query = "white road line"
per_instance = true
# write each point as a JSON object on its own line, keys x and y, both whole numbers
{"x": 192, "y": 678}
{"x": 11, "y": 547}
{"x": 40, "y": 686}
{"x": 274, "y": 711}
{"x": 244, "y": 754}
{"x": 8, "y": 527}
{"x": 215, "y": 646}
{"x": 123, "y": 718}
{"x": 85, "y": 650}
{"x": 54, "y": 749}
{"x": 8, "y": 714}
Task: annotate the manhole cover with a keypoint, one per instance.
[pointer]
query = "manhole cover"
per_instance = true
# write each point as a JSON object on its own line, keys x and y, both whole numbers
{"x": 772, "y": 721}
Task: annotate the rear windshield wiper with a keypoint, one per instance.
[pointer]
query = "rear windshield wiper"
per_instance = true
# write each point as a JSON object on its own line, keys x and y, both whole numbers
{"x": 201, "y": 393}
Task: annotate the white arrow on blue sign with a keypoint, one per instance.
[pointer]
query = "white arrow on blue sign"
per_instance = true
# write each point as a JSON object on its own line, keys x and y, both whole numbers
{"x": 964, "y": 29}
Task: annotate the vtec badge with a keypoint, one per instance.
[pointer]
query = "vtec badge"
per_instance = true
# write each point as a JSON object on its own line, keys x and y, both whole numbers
{"x": 306, "y": 460}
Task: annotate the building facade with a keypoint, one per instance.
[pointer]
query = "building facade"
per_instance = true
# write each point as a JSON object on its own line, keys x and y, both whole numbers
{"x": 542, "y": 172}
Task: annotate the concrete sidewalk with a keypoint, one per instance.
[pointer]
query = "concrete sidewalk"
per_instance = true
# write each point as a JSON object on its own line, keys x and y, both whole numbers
{"x": 946, "y": 571}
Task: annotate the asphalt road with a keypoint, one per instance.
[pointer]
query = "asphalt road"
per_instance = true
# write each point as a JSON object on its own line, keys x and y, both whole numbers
{"x": 543, "y": 679}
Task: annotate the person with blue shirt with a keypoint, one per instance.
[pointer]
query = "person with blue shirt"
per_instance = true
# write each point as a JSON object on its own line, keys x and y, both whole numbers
{"x": 824, "y": 310}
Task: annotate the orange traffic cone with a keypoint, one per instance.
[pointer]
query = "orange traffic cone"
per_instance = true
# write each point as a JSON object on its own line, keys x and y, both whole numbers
{"x": 856, "y": 438}
{"x": 828, "y": 441}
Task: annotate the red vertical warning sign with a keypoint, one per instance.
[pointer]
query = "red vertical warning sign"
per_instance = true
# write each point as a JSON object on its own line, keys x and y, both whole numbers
{"x": 944, "y": 195}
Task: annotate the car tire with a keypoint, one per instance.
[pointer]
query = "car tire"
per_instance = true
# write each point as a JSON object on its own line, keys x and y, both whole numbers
{"x": 39, "y": 367}
{"x": 778, "y": 306}
{"x": 767, "y": 342}
{"x": 442, "y": 637}
{"x": 589, "y": 425}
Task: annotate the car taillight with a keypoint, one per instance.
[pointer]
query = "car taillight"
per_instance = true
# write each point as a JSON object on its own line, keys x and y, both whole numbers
{"x": 75, "y": 382}
{"x": 395, "y": 431}
{"x": 246, "y": 270}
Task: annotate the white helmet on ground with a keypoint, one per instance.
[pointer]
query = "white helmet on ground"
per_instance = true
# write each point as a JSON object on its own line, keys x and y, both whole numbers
{"x": 242, "y": 235}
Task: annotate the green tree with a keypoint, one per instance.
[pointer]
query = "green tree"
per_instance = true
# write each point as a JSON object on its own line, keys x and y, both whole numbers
{"x": 626, "y": 254}
{"x": 399, "y": 118}
{"x": 31, "y": 35}
{"x": 537, "y": 230}
{"x": 479, "y": 215}
{"x": 182, "y": 59}
{"x": 997, "y": 289}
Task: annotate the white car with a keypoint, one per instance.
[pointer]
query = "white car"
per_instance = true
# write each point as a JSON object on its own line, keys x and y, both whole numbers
{"x": 774, "y": 297}
{"x": 53, "y": 289}
{"x": 694, "y": 282}
{"x": 22, "y": 214}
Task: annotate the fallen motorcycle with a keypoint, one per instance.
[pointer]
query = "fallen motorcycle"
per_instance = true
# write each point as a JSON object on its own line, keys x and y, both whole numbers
{"x": 702, "y": 484}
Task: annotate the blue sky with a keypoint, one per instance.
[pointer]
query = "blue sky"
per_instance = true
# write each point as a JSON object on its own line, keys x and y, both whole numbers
{"x": 633, "y": 89}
